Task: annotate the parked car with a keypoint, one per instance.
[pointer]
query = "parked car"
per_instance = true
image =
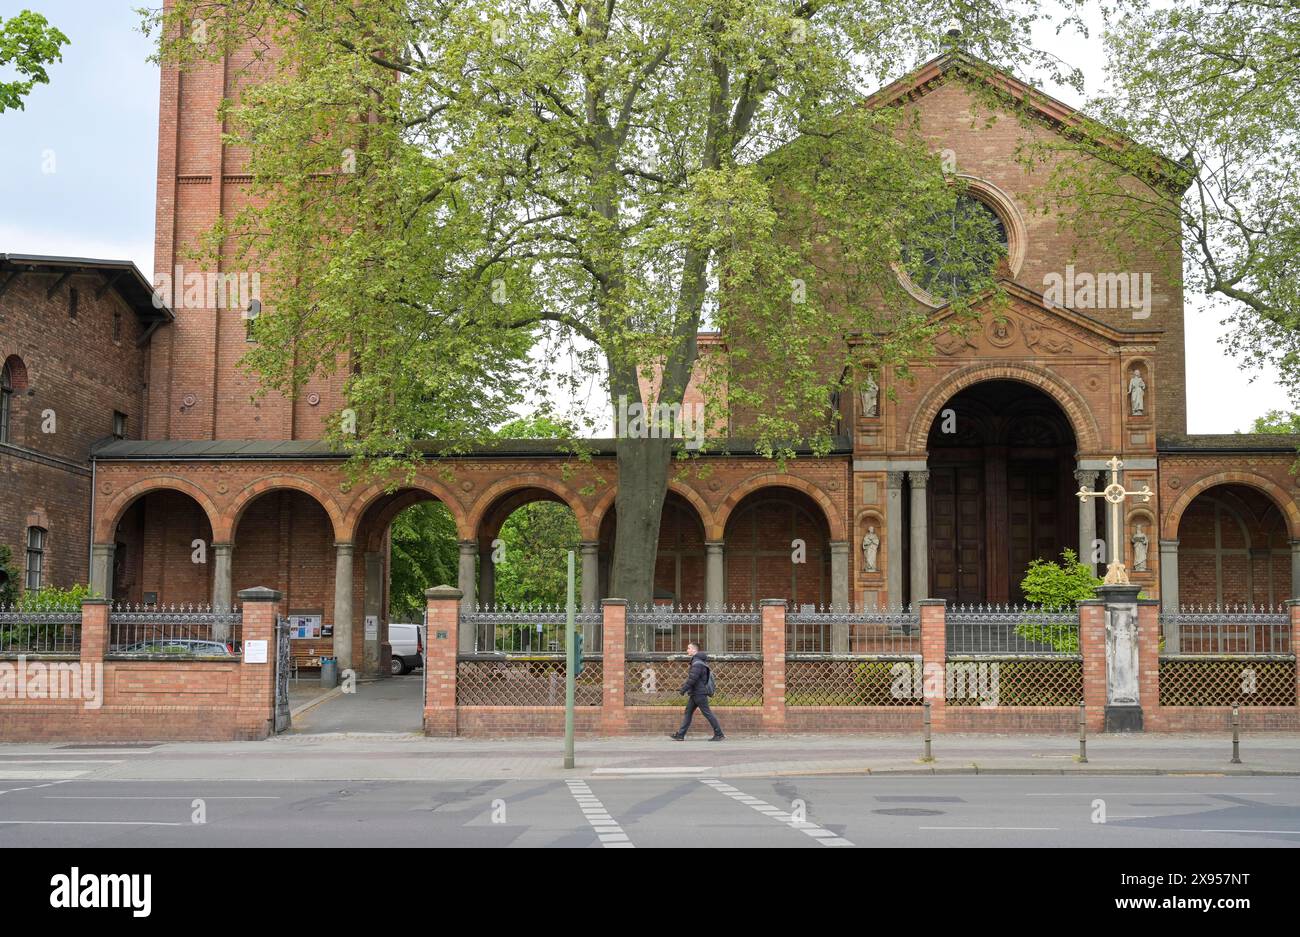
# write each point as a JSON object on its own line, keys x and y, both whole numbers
{"x": 181, "y": 647}
{"x": 408, "y": 647}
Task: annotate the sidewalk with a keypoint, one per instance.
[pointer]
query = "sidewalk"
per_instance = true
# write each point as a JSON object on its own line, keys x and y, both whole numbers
{"x": 413, "y": 757}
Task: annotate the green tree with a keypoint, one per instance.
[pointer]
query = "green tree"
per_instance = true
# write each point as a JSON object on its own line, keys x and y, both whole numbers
{"x": 441, "y": 188}
{"x": 8, "y": 578}
{"x": 1278, "y": 422}
{"x": 424, "y": 554}
{"x": 1057, "y": 588}
{"x": 1215, "y": 83}
{"x": 28, "y": 43}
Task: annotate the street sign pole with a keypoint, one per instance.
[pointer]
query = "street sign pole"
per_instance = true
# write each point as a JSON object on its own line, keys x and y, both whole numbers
{"x": 570, "y": 648}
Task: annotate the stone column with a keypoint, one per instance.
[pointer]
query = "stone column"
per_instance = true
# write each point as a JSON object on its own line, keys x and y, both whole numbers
{"x": 1087, "y": 518}
{"x": 372, "y": 608}
{"x": 590, "y": 551}
{"x": 1123, "y": 672}
{"x": 465, "y": 578}
{"x": 920, "y": 538}
{"x": 343, "y": 605}
{"x": 442, "y": 612}
{"x": 1169, "y": 588}
{"x": 713, "y": 574}
{"x": 840, "y": 595}
{"x": 101, "y": 569}
{"x": 894, "y": 537}
{"x": 221, "y": 587}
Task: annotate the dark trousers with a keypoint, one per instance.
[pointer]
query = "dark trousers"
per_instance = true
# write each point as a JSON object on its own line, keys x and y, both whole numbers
{"x": 701, "y": 702}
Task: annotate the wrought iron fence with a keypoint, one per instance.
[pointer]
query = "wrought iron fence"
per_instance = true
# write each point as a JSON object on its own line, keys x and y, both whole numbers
{"x": 1227, "y": 631}
{"x": 826, "y": 680}
{"x": 36, "y": 627}
{"x": 1001, "y": 630}
{"x": 1239, "y": 680}
{"x": 665, "y": 629}
{"x": 985, "y": 680}
{"x": 489, "y": 680}
{"x": 530, "y": 629}
{"x": 889, "y": 632}
{"x": 656, "y": 679}
{"x": 170, "y": 631}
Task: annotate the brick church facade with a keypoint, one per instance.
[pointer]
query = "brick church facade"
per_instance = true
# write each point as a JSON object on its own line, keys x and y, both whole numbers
{"x": 902, "y": 509}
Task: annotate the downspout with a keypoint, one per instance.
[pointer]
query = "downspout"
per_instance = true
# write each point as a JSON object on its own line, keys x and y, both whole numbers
{"x": 90, "y": 533}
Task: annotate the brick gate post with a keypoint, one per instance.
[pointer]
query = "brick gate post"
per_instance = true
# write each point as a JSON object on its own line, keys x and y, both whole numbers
{"x": 1293, "y": 606}
{"x": 613, "y": 717}
{"x": 1092, "y": 647}
{"x": 440, "y": 649}
{"x": 255, "y": 719}
{"x": 1149, "y": 660}
{"x": 934, "y": 659}
{"x": 94, "y": 631}
{"x": 773, "y": 625}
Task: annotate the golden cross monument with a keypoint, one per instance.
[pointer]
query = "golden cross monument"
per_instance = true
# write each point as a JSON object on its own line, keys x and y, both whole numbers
{"x": 1114, "y": 493}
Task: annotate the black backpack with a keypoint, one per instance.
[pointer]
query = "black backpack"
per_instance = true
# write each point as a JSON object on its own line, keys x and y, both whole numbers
{"x": 710, "y": 684}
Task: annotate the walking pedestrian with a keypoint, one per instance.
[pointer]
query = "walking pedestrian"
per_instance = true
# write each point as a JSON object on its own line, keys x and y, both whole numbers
{"x": 697, "y": 689}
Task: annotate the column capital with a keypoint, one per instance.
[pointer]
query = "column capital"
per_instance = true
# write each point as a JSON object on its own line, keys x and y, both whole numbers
{"x": 894, "y": 480}
{"x": 1167, "y": 545}
{"x": 344, "y": 546}
{"x": 468, "y": 546}
{"x": 1087, "y": 478}
{"x": 111, "y": 547}
{"x": 918, "y": 479}
{"x": 589, "y": 545}
{"x": 223, "y": 547}
{"x": 715, "y": 545}
{"x": 839, "y": 546}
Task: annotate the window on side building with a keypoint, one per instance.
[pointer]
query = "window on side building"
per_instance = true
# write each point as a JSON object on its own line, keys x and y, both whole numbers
{"x": 35, "y": 558}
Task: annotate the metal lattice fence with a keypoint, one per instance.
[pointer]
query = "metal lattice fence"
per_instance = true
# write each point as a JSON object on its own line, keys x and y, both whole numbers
{"x": 655, "y": 680}
{"x": 1012, "y": 630}
{"x": 174, "y": 631}
{"x": 35, "y": 627}
{"x": 812, "y": 680}
{"x": 525, "y": 681}
{"x": 1226, "y": 631}
{"x": 889, "y": 632}
{"x": 1013, "y": 681}
{"x": 1200, "y": 680}
{"x": 530, "y": 629}
{"x": 661, "y": 629}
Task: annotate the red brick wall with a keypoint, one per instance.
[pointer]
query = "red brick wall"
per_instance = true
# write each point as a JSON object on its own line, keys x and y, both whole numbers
{"x": 76, "y": 369}
{"x": 1233, "y": 549}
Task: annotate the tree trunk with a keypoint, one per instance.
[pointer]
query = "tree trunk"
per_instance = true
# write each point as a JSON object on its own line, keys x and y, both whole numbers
{"x": 642, "y": 486}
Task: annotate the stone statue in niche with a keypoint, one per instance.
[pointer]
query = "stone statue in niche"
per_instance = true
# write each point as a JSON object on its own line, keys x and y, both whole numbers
{"x": 1140, "y": 544}
{"x": 869, "y": 396}
{"x": 1137, "y": 392}
{"x": 871, "y": 549}
{"x": 1121, "y": 654}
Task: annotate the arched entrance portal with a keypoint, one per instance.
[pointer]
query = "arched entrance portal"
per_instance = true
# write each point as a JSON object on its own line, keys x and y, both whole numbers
{"x": 1000, "y": 492}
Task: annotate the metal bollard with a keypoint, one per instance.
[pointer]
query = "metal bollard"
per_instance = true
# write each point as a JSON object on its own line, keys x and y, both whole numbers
{"x": 1083, "y": 734}
{"x": 1236, "y": 736}
{"x": 928, "y": 756}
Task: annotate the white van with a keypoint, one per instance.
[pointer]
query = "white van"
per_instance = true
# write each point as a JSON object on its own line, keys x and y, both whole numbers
{"x": 408, "y": 647}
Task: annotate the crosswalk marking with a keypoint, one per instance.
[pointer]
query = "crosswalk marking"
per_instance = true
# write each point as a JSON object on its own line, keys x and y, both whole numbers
{"x": 607, "y": 829}
{"x": 821, "y": 835}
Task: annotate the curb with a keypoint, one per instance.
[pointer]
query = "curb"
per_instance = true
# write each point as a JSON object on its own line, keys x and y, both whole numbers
{"x": 316, "y": 701}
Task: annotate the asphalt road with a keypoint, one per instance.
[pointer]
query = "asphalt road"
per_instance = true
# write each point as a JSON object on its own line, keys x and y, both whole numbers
{"x": 673, "y": 811}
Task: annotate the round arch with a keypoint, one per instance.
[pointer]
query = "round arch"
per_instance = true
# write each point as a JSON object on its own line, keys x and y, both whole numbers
{"x": 687, "y": 493}
{"x": 250, "y": 493}
{"x": 495, "y": 492}
{"x": 106, "y": 523}
{"x": 1174, "y": 516}
{"x": 363, "y": 499}
{"x": 834, "y": 522}
{"x": 1086, "y": 432}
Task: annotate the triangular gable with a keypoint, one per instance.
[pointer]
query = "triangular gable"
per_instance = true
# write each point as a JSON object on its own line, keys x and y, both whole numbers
{"x": 1057, "y": 114}
{"x": 1031, "y": 326}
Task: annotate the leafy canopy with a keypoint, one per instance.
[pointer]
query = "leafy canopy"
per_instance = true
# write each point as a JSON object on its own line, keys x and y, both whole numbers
{"x": 28, "y": 43}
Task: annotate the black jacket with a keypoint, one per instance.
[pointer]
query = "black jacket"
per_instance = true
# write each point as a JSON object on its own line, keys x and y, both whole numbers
{"x": 696, "y": 676}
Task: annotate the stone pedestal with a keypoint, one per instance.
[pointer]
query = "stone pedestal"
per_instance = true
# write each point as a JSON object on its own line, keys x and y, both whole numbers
{"x": 1123, "y": 706}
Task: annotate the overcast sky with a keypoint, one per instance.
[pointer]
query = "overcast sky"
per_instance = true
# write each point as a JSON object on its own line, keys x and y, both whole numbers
{"x": 78, "y": 170}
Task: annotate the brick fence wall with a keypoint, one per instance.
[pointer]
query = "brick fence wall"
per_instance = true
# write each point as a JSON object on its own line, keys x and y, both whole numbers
{"x": 614, "y": 717}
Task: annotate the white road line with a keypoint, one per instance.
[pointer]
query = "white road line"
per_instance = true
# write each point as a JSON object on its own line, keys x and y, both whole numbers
{"x": 90, "y": 823}
{"x": 807, "y": 827}
{"x": 607, "y": 830}
{"x": 107, "y": 797}
{"x": 60, "y": 761}
{"x": 1159, "y": 794}
{"x": 1290, "y": 832}
{"x": 40, "y": 775}
{"x": 32, "y": 787}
